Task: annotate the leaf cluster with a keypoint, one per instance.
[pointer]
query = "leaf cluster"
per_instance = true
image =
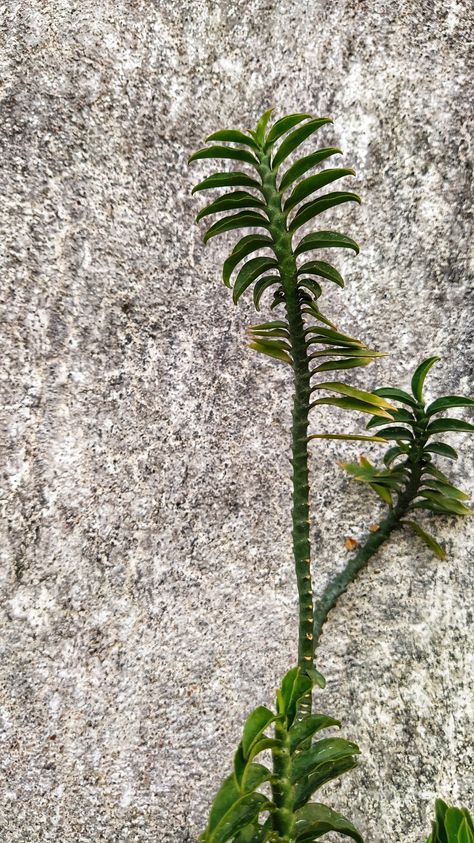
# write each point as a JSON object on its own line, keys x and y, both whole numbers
{"x": 243, "y": 814}
{"x": 451, "y": 825}
{"x": 409, "y": 475}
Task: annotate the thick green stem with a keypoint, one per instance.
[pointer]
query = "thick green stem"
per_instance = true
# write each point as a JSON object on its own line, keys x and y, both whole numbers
{"x": 339, "y": 584}
{"x": 283, "y": 792}
{"x": 300, "y": 513}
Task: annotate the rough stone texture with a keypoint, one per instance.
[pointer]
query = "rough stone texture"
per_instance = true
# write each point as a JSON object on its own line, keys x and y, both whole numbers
{"x": 148, "y": 595}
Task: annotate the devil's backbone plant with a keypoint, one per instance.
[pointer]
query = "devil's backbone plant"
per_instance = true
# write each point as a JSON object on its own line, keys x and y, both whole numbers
{"x": 273, "y": 201}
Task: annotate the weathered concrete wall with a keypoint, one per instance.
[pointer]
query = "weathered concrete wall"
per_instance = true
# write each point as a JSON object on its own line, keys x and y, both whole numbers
{"x": 148, "y": 598}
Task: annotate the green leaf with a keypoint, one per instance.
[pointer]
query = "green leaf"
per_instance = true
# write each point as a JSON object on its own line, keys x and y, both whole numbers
{"x": 248, "y": 244}
{"x": 280, "y": 127}
{"x": 349, "y": 404}
{"x": 232, "y": 136}
{"x": 226, "y": 796}
{"x": 254, "y": 727}
{"x": 250, "y": 272}
{"x": 316, "y": 677}
{"x": 465, "y": 835}
{"x": 313, "y": 183}
{"x": 428, "y": 540}
{"x": 300, "y": 167}
{"x": 262, "y": 125}
{"x": 240, "y": 814}
{"x": 294, "y": 686}
{"x": 452, "y": 822}
{"x": 317, "y": 206}
{"x": 296, "y": 138}
{"x": 306, "y": 728}
{"x": 315, "y": 819}
{"x": 392, "y": 453}
{"x": 323, "y": 270}
{"x": 382, "y": 492}
{"x": 236, "y": 179}
{"x": 442, "y": 503}
{"x": 435, "y": 472}
{"x": 244, "y": 219}
{"x": 352, "y": 392}
{"x": 419, "y": 376}
{"x": 447, "y": 403}
{"x": 326, "y": 773}
{"x": 261, "y": 285}
{"x": 325, "y": 240}
{"x": 224, "y": 152}
{"x": 448, "y": 489}
{"x": 348, "y": 351}
{"x": 348, "y": 436}
{"x": 350, "y": 363}
{"x": 331, "y": 336}
{"x": 311, "y": 285}
{"x": 396, "y": 432}
{"x": 455, "y": 425}
{"x": 442, "y": 449}
{"x": 328, "y": 749}
{"x": 398, "y": 394}
{"x": 231, "y": 202}
{"x": 273, "y": 348}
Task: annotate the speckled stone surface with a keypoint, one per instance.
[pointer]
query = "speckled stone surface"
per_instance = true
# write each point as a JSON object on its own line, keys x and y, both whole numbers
{"x": 148, "y": 600}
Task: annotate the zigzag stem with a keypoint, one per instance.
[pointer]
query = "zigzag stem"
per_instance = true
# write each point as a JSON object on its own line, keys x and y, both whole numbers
{"x": 300, "y": 512}
{"x": 339, "y": 584}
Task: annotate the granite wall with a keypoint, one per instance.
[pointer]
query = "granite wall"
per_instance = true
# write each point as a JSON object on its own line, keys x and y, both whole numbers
{"x": 148, "y": 596}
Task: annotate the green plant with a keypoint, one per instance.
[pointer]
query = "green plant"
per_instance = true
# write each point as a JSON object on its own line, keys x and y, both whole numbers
{"x": 274, "y": 205}
{"x": 451, "y": 825}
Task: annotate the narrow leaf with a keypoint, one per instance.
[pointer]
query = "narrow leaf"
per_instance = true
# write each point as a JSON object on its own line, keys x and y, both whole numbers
{"x": 352, "y": 392}
{"x": 304, "y": 164}
{"x": 325, "y": 773}
{"x": 224, "y": 152}
{"x": 327, "y": 749}
{"x": 296, "y": 138}
{"x": 261, "y": 285}
{"x": 428, "y": 540}
{"x": 255, "y": 725}
{"x": 272, "y": 349}
{"x": 382, "y": 492}
{"x": 250, "y": 272}
{"x": 248, "y": 244}
{"x": 397, "y": 433}
{"x": 313, "y": 183}
{"x": 448, "y": 489}
{"x": 442, "y": 449}
{"x": 325, "y": 240}
{"x": 323, "y": 269}
{"x": 262, "y": 125}
{"x": 455, "y": 425}
{"x": 392, "y": 454}
{"x": 317, "y": 206}
{"x": 398, "y": 394}
{"x": 312, "y": 285}
{"x": 236, "y": 179}
{"x": 240, "y": 814}
{"x": 350, "y": 363}
{"x": 348, "y": 436}
{"x": 315, "y": 820}
{"x": 280, "y": 127}
{"x": 232, "y": 136}
{"x": 350, "y": 404}
{"x": 419, "y": 376}
{"x": 231, "y": 202}
{"x": 244, "y": 219}
{"x": 447, "y": 402}
{"x": 306, "y": 728}
{"x": 444, "y": 503}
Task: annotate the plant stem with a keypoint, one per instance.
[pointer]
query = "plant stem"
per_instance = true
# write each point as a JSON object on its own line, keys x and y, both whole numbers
{"x": 300, "y": 512}
{"x": 391, "y": 522}
{"x": 283, "y": 819}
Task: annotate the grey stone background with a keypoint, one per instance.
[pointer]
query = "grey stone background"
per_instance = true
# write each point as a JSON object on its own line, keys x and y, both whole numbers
{"x": 148, "y": 600}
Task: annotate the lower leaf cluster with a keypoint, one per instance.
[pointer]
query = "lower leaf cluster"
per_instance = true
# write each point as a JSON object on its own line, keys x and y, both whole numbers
{"x": 243, "y": 814}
